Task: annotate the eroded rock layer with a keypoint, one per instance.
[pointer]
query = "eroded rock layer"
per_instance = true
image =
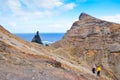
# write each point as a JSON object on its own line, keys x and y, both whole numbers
{"x": 94, "y": 41}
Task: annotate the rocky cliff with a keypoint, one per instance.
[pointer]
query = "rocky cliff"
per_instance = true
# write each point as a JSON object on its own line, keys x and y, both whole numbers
{"x": 93, "y": 41}
{"x": 21, "y": 60}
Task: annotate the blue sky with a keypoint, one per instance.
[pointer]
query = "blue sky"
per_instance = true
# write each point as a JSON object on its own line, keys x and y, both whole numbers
{"x": 52, "y": 16}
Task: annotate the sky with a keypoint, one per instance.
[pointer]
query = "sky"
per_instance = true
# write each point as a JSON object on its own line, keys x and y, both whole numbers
{"x": 53, "y": 16}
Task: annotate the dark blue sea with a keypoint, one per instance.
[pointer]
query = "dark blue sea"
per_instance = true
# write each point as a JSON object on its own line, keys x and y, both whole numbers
{"x": 46, "y": 38}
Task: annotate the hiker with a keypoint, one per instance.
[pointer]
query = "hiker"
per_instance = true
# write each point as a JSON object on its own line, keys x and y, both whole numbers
{"x": 94, "y": 69}
{"x": 98, "y": 69}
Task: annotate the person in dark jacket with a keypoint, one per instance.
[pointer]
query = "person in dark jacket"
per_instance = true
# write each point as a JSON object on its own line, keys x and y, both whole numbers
{"x": 94, "y": 69}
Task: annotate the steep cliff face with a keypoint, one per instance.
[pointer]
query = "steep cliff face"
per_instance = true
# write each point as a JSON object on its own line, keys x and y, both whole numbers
{"x": 94, "y": 41}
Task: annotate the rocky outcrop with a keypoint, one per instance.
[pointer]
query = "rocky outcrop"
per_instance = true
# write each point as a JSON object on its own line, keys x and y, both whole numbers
{"x": 94, "y": 41}
{"x": 22, "y": 60}
{"x": 37, "y": 38}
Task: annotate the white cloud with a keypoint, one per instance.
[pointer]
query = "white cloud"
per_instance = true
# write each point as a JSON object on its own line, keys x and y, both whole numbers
{"x": 41, "y": 8}
{"x": 48, "y": 4}
{"x": 13, "y": 24}
{"x": 69, "y": 6}
{"x": 15, "y": 6}
{"x": 115, "y": 18}
{"x": 16, "y": 15}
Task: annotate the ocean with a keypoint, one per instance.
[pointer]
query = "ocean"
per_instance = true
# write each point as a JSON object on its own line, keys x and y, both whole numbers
{"x": 46, "y": 38}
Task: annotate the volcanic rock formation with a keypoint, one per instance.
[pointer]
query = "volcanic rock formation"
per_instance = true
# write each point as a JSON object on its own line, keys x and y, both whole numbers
{"x": 94, "y": 41}
{"x": 37, "y": 38}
